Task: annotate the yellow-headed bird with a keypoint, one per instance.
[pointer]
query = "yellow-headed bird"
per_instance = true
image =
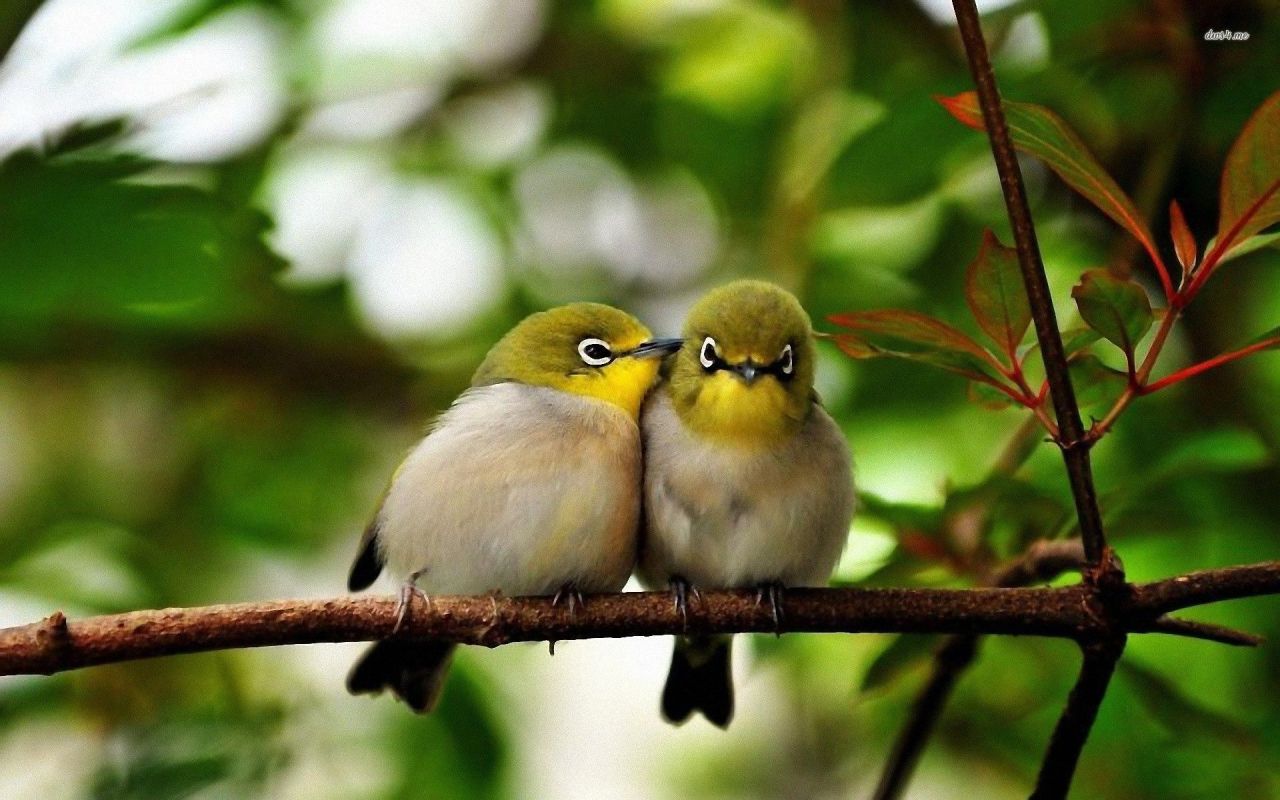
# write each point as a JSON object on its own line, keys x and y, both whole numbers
{"x": 528, "y": 485}
{"x": 748, "y": 481}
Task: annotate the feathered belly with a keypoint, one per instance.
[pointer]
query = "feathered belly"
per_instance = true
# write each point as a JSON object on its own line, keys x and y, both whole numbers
{"x": 521, "y": 509}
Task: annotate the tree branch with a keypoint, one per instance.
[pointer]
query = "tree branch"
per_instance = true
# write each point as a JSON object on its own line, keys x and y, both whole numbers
{"x": 1042, "y": 561}
{"x": 952, "y": 658}
{"x": 1071, "y": 435}
{"x": 56, "y": 644}
{"x": 1073, "y": 727}
{"x": 1208, "y": 586}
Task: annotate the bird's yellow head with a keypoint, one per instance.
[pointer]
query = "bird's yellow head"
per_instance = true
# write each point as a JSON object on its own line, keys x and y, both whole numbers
{"x": 745, "y": 372}
{"x": 586, "y": 349}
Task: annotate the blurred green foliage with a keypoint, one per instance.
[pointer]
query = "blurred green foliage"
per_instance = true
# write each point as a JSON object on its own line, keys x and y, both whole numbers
{"x": 184, "y": 420}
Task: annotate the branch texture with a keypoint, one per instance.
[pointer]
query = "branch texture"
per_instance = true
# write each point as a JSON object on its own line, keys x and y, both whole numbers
{"x": 56, "y": 644}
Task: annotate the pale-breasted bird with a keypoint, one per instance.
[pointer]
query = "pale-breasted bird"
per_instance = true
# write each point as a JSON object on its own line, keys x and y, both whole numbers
{"x": 748, "y": 481}
{"x": 529, "y": 484}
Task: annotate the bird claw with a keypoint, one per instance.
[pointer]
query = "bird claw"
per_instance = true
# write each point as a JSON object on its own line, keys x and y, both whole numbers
{"x": 493, "y": 602}
{"x": 773, "y": 590}
{"x": 680, "y": 591}
{"x": 569, "y": 593}
{"x": 408, "y": 590}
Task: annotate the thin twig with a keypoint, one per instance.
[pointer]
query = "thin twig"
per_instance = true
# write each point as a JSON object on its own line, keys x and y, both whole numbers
{"x": 1075, "y": 445}
{"x": 1077, "y": 719}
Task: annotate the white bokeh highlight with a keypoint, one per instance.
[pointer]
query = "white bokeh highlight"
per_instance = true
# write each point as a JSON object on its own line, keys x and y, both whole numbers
{"x": 319, "y": 199}
{"x": 581, "y": 211}
{"x": 424, "y": 260}
{"x": 204, "y": 95}
{"x": 494, "y": 127}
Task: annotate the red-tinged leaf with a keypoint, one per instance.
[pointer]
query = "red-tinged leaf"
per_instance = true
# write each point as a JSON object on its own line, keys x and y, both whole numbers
{"x": 1038, "y": 131}
{"x": 1116, "y": 308}
{"x": 1250, "y": 193}
{"x": 1097, "y": 386}
{"x": 995, "y": 294}
{"x": 917, "y": 337}
{"x": 1184, "y": 243}
{"x": 923, "y": 547}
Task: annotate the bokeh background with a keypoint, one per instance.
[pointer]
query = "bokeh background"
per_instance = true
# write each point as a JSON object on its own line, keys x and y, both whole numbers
{"x": 247, "y": 249}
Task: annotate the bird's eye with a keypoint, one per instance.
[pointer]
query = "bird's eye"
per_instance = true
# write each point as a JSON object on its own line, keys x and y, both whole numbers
{"x": 708, "y": 356}
{"x": 595, "y": 352}
{"x": 787, "y": 361}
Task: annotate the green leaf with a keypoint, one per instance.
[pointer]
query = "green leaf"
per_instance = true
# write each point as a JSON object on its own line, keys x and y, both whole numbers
{"x": 1271, "y": 337}
{"x": 1116, "y": 308}
{"x": 1038, "y": 131}
{"x": 915, "y": 337}
{"x": 1096, "y": 384}
{"x": 1180, "y": 714}
{"x": 1075, "y": 340}
{"x": 903, "y": 653}
{"x": 995, "y": 294}
{"x": 987, "y": 396}
{"x": 87, "y": 241}
{"x": 1250, "y": 193}
{"x": 1250, "y": 245}
{"x": 1220, "y": 450}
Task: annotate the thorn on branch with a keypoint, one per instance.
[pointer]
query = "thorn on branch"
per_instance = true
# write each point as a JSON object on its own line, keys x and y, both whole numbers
{"x": 1207, "y": 631}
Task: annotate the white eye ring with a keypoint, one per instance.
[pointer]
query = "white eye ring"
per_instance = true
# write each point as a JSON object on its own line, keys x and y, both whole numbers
{"x": 787, "y": 361}
{"x": 595, "y": 352}
{"x": 708, "y": 356}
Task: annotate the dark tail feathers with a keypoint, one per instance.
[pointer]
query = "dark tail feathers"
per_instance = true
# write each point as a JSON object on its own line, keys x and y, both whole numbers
{"x": 700, "y": 680}
{"x": 413, "y": 670}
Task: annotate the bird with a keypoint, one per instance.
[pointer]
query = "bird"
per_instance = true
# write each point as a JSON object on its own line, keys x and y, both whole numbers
{"x": 748, "y": 480}
{"x": 528, "y": 484}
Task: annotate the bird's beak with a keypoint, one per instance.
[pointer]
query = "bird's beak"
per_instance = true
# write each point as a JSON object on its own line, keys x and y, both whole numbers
{"x": 656, "y": 348}
{"x": 747, "y": 371}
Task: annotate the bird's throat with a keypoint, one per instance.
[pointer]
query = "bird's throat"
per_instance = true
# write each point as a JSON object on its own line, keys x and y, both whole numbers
{"x": 729, "y": 410}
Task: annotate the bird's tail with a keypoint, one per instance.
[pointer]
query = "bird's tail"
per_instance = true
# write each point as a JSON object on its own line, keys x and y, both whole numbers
{"x": 413, "y": 670}
{"x": 699, "y": 680}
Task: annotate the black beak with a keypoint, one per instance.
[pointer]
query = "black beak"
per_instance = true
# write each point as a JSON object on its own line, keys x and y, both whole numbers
{"x": 748, "y": 372}
{"x": 656, "y": 348}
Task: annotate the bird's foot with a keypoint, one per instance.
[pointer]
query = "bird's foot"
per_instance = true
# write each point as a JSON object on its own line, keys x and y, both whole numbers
{"x": 408, "y": 590}
{"x": 680, "y": 591}
{"x": 773, "y": 591}
{"x": 494, "y": 594}
{"x": 570, "y": 595}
